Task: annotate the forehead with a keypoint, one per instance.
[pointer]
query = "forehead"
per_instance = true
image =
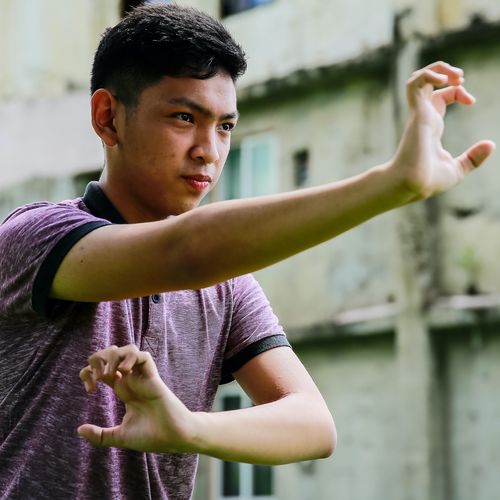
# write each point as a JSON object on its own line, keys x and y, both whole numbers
{"x": 217, "y": 94}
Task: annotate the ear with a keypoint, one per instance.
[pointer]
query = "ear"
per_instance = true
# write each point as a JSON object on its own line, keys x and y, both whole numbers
{"x": 103, "y": 108}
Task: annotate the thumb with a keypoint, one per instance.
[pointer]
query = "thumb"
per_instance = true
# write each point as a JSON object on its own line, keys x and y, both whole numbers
{"x": 100, "y": 436}
{"x": 475, "y": 155}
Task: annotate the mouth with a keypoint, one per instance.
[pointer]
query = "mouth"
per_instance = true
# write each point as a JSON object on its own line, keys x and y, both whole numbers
{"x": 198, "y": 182}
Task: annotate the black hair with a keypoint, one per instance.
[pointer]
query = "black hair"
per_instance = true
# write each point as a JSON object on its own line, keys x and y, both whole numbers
{"x": 154, "y": 41}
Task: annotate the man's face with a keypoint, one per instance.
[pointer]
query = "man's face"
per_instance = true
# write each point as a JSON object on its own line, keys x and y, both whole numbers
{"x": 173, "y": 144}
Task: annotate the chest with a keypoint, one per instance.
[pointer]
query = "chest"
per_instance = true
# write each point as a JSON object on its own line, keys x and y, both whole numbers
{"x": 186, "y": 332}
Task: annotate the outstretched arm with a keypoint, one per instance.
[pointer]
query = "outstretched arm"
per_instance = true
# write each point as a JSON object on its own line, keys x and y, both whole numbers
{"x": 213, "y": 243}
{"x": 290, "y": 422}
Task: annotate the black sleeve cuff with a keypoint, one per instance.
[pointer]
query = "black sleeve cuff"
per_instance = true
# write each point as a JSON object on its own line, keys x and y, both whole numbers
{"x": 249, "y": 352}
{"x": 49, "y": 267}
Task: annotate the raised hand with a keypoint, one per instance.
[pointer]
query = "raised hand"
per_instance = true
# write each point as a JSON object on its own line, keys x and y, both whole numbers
{"x": 155, "y": 419}
{"x": 424, "y": 166}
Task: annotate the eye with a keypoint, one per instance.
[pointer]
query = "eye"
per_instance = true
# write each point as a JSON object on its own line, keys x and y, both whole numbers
{"x": 227, "y": 127}
{"x": 185, "y": 117}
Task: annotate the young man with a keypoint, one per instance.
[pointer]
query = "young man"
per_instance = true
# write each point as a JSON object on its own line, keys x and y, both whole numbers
{"x": 170, "y": 295}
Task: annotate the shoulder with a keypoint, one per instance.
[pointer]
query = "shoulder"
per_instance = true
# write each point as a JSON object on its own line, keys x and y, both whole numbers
{"x": 46, "y": 219}
{"x": 45, "y": 208}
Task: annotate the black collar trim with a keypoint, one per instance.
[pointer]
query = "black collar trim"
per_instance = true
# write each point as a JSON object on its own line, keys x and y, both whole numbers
{"x": 100, "y": 205}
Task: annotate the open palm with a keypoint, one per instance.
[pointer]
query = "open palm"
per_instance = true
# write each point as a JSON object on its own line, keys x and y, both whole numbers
{"x": 425, "y": 167}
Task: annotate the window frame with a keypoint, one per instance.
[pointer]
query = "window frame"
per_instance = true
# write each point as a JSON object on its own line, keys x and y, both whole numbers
{"x": 247, "y": 145}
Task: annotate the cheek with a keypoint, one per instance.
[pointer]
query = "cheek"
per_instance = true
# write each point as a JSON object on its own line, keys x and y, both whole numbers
{"x": 223, "y": 152}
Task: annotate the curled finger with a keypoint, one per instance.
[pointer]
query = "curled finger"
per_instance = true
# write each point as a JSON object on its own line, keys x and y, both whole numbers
{"x": 87, "y": 377}
{"x": 130, "y": 358}
{"x": 453, "y": 72}
{"x": 458, "y": 94}
{"x": 426, "y": 76}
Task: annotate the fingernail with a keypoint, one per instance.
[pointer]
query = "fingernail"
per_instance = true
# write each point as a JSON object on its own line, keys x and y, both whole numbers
{"x": 471, "y": 96}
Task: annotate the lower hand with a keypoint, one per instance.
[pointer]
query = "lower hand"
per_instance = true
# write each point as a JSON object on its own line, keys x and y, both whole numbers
{"x": 155, "y": 419}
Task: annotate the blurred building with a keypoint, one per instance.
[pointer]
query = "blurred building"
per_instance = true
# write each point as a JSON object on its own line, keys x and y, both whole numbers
{"x": 398, "y": 321}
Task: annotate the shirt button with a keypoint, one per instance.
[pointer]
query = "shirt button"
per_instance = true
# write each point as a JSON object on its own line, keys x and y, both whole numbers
{"x": 156, "y": 298}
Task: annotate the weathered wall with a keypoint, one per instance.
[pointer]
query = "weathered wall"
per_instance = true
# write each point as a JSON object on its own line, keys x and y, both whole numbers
{"x": 47, "y": 46}
{"x": 472, "y": 376}
{"x": 46, "y": 51}
{"x": 358, "y": 380}
{"x": 340, "y": 129}
{"x": 422, "y": 398}
{"x": 288, "y": 35}
{"x": 46, "y": 138}
{"x": 470, "y": 222}
{"x": 367, "y": 325}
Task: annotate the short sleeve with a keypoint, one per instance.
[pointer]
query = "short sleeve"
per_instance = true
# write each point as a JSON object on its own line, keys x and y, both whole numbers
{"x": 254, "y": 326}
{"x": 33, "y": 242}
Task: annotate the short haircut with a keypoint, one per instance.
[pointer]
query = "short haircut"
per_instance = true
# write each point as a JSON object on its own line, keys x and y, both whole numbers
{"x": 154, "y": 41}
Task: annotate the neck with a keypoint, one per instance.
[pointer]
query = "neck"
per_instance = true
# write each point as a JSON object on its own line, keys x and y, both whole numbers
{"x": 123, "y": 200}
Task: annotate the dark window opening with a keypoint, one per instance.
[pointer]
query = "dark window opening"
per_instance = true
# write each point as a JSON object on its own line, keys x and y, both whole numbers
{"x": 230, "y": 479}
{"x": 128, "y": 5}
{"x": 231, "y": 403}
{"x": 229, "y": 7}
{"x": 300, "y": 167}
{"x": 80, "y": 181}
{"x": 262, "y": 480}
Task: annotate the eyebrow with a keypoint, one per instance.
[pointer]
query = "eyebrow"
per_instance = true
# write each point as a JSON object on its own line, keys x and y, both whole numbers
{"x": 189, "y": 103}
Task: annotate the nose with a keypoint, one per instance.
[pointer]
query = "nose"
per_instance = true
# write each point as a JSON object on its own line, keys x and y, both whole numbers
{"x": 205, "y": 148}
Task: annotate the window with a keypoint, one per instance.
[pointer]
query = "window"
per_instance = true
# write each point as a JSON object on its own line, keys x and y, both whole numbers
{"x": 239, "y": 481}
{"x": 251, "y": 168}
{"x": 229, "y": 7}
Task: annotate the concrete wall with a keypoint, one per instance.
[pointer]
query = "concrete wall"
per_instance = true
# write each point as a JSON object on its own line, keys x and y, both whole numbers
{"x": 472, "y": 375}
{"x": 470, "y": 221}
{"x": 397, "y": 321}
{"x": 288, "y": 35}
{"x": 358, "y": 380}
{"x": 399, "y": 299}
{"x": 47, "y": 46}
{"x": 46, "y": 51}
{"x": 339, "y": 128}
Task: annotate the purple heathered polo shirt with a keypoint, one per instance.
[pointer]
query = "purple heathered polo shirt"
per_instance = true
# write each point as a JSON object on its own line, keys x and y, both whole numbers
{"x": 197, "y": 338}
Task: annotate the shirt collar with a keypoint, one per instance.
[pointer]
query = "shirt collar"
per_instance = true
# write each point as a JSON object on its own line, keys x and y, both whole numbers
{"x": 100, "y": 205}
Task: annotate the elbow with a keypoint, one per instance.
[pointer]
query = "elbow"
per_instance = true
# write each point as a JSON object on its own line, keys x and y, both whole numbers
{"x": 322, "y": 435}
{"x": 329, "y": 437}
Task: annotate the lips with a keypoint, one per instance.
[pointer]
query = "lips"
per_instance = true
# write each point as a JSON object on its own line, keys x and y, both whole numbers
{"x": 198, "y": 182}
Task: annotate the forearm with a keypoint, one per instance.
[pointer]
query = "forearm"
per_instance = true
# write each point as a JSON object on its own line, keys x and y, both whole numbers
{"x": 227, "y": 239}
{"x": 294, "y": 428}
{"x": 219, "y": 241}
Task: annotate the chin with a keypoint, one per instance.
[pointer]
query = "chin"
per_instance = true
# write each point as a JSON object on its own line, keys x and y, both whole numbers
{"x": 181, "y": 209}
